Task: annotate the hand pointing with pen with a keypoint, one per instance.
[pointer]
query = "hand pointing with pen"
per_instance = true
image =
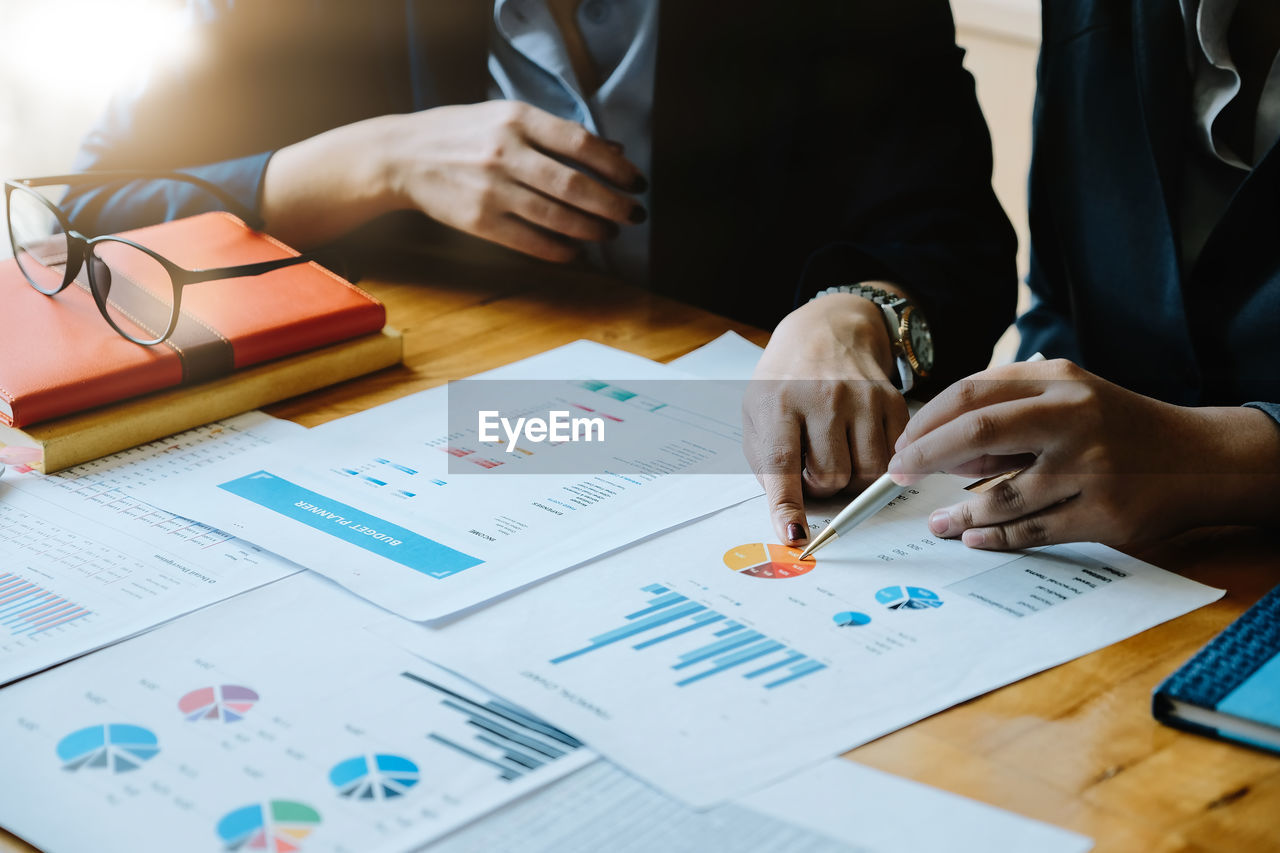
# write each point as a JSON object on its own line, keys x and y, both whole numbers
{"x": 1098, "y": 462}
{"x": 821, "y": 414}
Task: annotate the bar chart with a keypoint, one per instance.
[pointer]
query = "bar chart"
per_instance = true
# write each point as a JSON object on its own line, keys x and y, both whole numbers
{"x": 498, "y": 735}
{"x": 28, "y": 609}
{"x": 730, "y": 646}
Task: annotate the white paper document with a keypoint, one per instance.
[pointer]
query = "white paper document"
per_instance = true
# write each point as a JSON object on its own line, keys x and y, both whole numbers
{"x": 710, "y": 662}
{"x": 84, "y": 564}
{"x": 886, "y": 814}
{"x": 729, "y": 356}
{"x": 426, "y": 517}
{"x": 601, "y": 808}
{"x": 275, "y": 721}
{"x": 836, "y": 807}
{"x": 272, "y": 721}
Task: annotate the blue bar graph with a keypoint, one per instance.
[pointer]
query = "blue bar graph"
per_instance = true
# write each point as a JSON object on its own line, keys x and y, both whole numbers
{"x": 730, "y": 645}
{"x": 28, "y": 610}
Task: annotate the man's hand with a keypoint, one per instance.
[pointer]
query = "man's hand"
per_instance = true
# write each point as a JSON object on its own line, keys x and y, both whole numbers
{"x": 1099, "y": 463}
{"x": 500, "y": 170}
{"x": 821, "y": 413}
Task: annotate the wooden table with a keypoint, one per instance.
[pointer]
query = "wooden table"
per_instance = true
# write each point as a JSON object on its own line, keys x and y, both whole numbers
{"x": 1075, "y": 746}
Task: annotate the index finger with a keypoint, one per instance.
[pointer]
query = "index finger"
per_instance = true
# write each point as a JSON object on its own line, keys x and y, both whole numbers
{"x": 776, "y": 458}
{"x": 988, "y": 388}
{"x": 1003, "y": 429}
{"x": 570, "y": 140}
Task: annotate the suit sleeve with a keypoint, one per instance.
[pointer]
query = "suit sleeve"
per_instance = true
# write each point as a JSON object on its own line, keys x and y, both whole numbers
{"x": 916, "y": 175}
{"x": 261, "y": 76}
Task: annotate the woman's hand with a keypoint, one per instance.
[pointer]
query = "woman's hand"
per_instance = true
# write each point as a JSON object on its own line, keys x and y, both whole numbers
{"x": 500, "y": 170}
{"x": 1099, "y": 462}
{"x": 821, "y": 413}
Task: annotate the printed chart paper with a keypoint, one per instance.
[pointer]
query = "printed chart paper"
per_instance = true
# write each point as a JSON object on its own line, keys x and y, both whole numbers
{"x": 372, "y": 501}
{"x": 710, "y": 661}
{"x": 83, "y": 563}
{"x": 836, "y": 807}
{"x": 272, "y": 721}
{"x": 601, "y": 808}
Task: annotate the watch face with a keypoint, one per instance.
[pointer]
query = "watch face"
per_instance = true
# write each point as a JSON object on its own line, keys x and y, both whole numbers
{"x": 921, "y": 342}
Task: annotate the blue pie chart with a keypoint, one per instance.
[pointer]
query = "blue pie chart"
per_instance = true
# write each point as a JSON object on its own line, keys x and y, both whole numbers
{"x": 117, "y": 747}
{"x": 850, "y": 619}
{"x": 908, "y": 598}
{"x": 374, "y": 777}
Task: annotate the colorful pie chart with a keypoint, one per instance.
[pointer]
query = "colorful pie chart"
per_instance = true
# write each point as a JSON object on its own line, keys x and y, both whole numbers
{"x": 116, "y": 747}
{"x": 760, "y": 560}
{"x": 278, "y": 826}
{"x": 228, "y": 703}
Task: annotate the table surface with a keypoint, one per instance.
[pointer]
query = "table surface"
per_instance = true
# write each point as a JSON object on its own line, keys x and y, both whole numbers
{"x": 1075, "y": 746}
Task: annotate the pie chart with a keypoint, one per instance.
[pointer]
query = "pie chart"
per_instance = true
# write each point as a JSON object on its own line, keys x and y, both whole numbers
{"x": 116, "y": 747}
{"x": 760, "y": 560}
{"x": 908, "y": 598}
{"x": 227, "y": 703}
{"x": 374, "y": 777}
{"x": 850, "y": 619}
{"x": 278, "y": 826}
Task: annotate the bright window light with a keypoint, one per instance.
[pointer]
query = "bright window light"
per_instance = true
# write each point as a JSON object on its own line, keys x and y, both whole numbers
{"x": 88, "y": 49}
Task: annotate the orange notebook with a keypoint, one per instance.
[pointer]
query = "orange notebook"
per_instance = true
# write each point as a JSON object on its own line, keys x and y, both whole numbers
{"x": 59, "y": 356}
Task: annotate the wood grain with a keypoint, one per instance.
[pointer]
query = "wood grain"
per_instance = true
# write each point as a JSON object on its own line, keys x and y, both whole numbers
{"x": 1075, "y": 746}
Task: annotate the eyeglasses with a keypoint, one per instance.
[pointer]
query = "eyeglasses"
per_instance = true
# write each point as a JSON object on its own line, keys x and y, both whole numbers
{"x": 138, "y": 291}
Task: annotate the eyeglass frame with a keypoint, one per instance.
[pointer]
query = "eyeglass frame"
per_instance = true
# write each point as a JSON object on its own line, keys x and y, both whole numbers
{"x": 82, "y": 246}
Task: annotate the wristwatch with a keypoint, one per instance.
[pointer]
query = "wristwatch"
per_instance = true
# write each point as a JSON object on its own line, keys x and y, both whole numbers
{"x": 908, "y": 331}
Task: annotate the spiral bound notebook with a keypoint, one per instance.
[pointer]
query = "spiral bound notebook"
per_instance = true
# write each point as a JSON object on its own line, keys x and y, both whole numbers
{"x": 1231, "y": 688}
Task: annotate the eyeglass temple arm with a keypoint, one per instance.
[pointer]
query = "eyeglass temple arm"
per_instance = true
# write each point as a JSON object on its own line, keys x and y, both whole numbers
{"x": 108, "y": 176}
{"x": 249, "y": 269}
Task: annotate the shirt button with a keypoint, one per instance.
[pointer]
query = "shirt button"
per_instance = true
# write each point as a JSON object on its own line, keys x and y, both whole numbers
{"x": 596, "y": 11}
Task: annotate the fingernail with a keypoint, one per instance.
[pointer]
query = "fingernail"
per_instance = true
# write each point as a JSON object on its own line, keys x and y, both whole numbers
{"x": 940, "y": 521}
{"x": 795, "y": 532}
{"x": 974, "y": 538}
{"x": 638, "y": 214}
{"x": 895, "y": 470}
{"x": 639, "y": 185}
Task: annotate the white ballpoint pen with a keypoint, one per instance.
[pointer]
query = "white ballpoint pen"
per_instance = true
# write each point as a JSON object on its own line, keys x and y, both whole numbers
{"x": 873, "y": 499}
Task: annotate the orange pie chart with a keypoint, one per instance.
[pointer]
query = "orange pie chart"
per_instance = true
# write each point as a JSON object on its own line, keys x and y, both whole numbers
{"x": 761, "y": 560}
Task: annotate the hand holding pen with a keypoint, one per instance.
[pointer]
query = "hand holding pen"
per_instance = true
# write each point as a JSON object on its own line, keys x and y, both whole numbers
{"x": 876, "y": 496}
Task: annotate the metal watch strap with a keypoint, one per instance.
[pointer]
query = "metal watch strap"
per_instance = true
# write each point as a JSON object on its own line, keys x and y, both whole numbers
{"x": 888, "y": 302}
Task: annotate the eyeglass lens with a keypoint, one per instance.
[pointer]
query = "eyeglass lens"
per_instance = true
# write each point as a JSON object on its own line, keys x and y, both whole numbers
{"x": 39, "y": 244}
{"x": 133, "y": 290}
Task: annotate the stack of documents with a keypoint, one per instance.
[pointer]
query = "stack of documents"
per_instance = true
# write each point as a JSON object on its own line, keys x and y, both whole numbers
{"x": 685, "y": 687}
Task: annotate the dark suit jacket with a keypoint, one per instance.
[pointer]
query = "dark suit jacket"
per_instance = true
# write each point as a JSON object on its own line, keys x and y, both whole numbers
{"x": 1113, "y": 124}
{"x": 814, "y": 142}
